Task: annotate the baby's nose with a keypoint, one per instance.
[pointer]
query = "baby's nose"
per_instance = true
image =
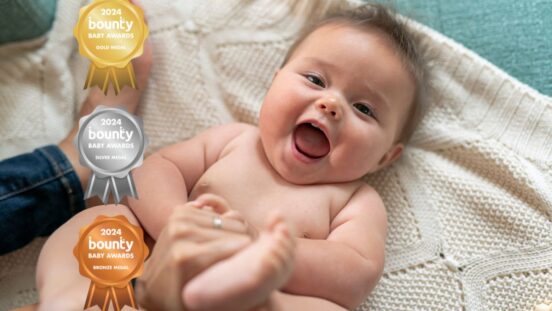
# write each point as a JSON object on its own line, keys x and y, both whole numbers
{"x": 330, "y": 107}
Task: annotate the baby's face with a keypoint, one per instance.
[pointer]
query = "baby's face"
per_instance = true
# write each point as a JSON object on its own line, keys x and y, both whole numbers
{"x": 334, "y": 111}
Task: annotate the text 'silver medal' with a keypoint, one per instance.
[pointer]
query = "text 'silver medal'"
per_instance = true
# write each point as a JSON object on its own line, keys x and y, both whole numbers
{"x": 111, "y": 143}
{"x": 111, "y": 33}
{"x": 111, "y": 252}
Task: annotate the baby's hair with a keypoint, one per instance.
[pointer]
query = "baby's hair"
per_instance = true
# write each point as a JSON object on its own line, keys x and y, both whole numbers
{"x": 385, "y": 20}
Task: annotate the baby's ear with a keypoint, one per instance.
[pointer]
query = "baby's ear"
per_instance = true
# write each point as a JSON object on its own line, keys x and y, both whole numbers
{"x": 391, "y": 156}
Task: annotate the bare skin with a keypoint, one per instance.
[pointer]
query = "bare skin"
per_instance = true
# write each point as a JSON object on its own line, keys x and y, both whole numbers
{"x": 338, "y": 222}
{"x": 269, "y": 262}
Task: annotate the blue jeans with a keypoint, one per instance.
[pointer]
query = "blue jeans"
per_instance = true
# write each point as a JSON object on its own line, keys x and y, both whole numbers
{"x": 39, "y": 191}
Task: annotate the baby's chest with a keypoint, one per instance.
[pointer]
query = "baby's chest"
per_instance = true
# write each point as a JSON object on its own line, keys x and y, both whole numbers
{"x": 252, "y": 190}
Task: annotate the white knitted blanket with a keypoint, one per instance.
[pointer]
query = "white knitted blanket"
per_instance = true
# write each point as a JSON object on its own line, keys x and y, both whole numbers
{"x": 469, "y": 205}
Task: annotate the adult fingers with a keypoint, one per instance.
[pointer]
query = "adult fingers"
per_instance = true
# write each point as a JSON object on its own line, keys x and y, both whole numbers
{"x": 207, "y": 219}
{"x": 217, "y": 203}
{"x": 250, "y": 230}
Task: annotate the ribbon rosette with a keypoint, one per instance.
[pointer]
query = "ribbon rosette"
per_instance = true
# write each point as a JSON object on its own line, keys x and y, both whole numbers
{"x": 111, "y": 252}
{"x": 111, "y": 143}
{"x": 111, "y": 33}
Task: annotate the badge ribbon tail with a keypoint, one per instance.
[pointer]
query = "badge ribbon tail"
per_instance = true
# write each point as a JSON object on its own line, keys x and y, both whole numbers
{"x": 103, "y": 186}
{"x": 103, "y": 296}
{"x": 102, "y": 77}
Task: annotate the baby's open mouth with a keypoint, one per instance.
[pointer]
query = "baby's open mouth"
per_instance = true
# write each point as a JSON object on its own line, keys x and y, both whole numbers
{"x": 311, "y": 141}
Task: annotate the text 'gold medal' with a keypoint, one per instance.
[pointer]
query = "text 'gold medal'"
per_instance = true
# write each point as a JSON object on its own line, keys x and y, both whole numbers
{"x": 111, "y": 252}
{"x": 111, "y": 33}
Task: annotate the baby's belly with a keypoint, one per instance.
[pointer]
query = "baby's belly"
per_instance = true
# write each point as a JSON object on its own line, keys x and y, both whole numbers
{"x": 250, "y": 185}
{"x": 307, "y": 216}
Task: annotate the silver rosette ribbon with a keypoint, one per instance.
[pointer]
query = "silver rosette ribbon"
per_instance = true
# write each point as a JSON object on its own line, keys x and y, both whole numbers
{"x": 111, "y": 142}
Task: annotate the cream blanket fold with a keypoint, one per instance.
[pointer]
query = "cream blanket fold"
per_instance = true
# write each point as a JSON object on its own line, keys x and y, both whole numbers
{"x": 469, "y": 205}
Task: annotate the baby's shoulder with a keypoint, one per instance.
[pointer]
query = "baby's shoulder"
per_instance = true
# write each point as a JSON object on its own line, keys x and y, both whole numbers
{"x": 247, "y": 132}
{"x": 352, "y": 193}
{"x": 238, "y": 127}
{"x": 248, "y": 129}
{"x": 366, "y": 193}
{"x": 348, "y": 190}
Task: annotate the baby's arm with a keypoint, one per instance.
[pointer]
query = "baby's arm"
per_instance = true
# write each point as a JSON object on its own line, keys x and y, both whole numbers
{"x": 346, "y": 267}
{"x": 165, "y": 178}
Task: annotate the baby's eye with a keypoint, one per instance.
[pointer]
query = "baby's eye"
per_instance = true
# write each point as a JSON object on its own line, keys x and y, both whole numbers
{"x": 364, "y": 109}
{"x": 316, "y": 80}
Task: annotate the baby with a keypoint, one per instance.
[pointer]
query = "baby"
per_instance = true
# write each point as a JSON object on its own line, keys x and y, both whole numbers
{"x": 343, "y": 104}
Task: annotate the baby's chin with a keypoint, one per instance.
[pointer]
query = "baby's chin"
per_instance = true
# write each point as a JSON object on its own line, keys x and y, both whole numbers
{"x": 314, "y": 177}
{"x": 318, "y": 180}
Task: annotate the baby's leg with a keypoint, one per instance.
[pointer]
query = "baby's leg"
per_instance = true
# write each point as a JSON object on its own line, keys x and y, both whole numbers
{"x": 59, "y": 283}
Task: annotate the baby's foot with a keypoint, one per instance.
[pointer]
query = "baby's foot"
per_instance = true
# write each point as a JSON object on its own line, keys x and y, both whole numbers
{"x": 246, "y": 279}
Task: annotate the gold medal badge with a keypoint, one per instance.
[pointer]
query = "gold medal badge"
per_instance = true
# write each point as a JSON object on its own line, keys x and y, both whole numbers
{"x": 111, "y": 33}
{"x": 111, "y": 252}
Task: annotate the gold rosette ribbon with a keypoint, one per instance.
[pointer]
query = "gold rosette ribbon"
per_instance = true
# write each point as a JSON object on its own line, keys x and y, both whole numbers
{"x": 111, "y": 33}
{"x": 111, "y": 252}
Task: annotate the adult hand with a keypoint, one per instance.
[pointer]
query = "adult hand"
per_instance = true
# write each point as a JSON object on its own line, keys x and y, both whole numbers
{"x": 192, "y": 240}
{"x": 220, "y": 205}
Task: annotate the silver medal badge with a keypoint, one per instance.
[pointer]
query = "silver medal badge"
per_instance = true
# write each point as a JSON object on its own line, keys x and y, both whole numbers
{"x": 111, "y": 142}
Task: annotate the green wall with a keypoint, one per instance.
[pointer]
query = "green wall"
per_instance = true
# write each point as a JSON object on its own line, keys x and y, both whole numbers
{"x": 514, "y": 35}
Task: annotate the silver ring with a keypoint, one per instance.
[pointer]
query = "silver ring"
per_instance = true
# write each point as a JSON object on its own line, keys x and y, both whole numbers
{"x": 217, "y": 222}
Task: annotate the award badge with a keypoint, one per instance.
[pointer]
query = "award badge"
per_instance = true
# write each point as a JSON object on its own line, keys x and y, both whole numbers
{"x": 111, "y": 252}
{"x": 111, "y": 33}
{"x": 111, "y": 143}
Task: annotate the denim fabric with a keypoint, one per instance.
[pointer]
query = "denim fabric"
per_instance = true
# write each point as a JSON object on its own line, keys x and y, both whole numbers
{"x": 39, "y": 191}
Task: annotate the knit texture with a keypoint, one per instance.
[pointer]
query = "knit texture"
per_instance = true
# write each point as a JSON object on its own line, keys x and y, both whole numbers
{"x": 469, "y": 205}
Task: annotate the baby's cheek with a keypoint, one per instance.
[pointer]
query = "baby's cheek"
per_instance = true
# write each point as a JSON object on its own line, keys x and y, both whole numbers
{"x": 351, "y": 162}
{"x": 366, "y": 155}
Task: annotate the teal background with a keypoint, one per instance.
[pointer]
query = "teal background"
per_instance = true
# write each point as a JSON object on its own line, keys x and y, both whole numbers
{"x": 25, "y": 19}
{"x": 514, "y": 35}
